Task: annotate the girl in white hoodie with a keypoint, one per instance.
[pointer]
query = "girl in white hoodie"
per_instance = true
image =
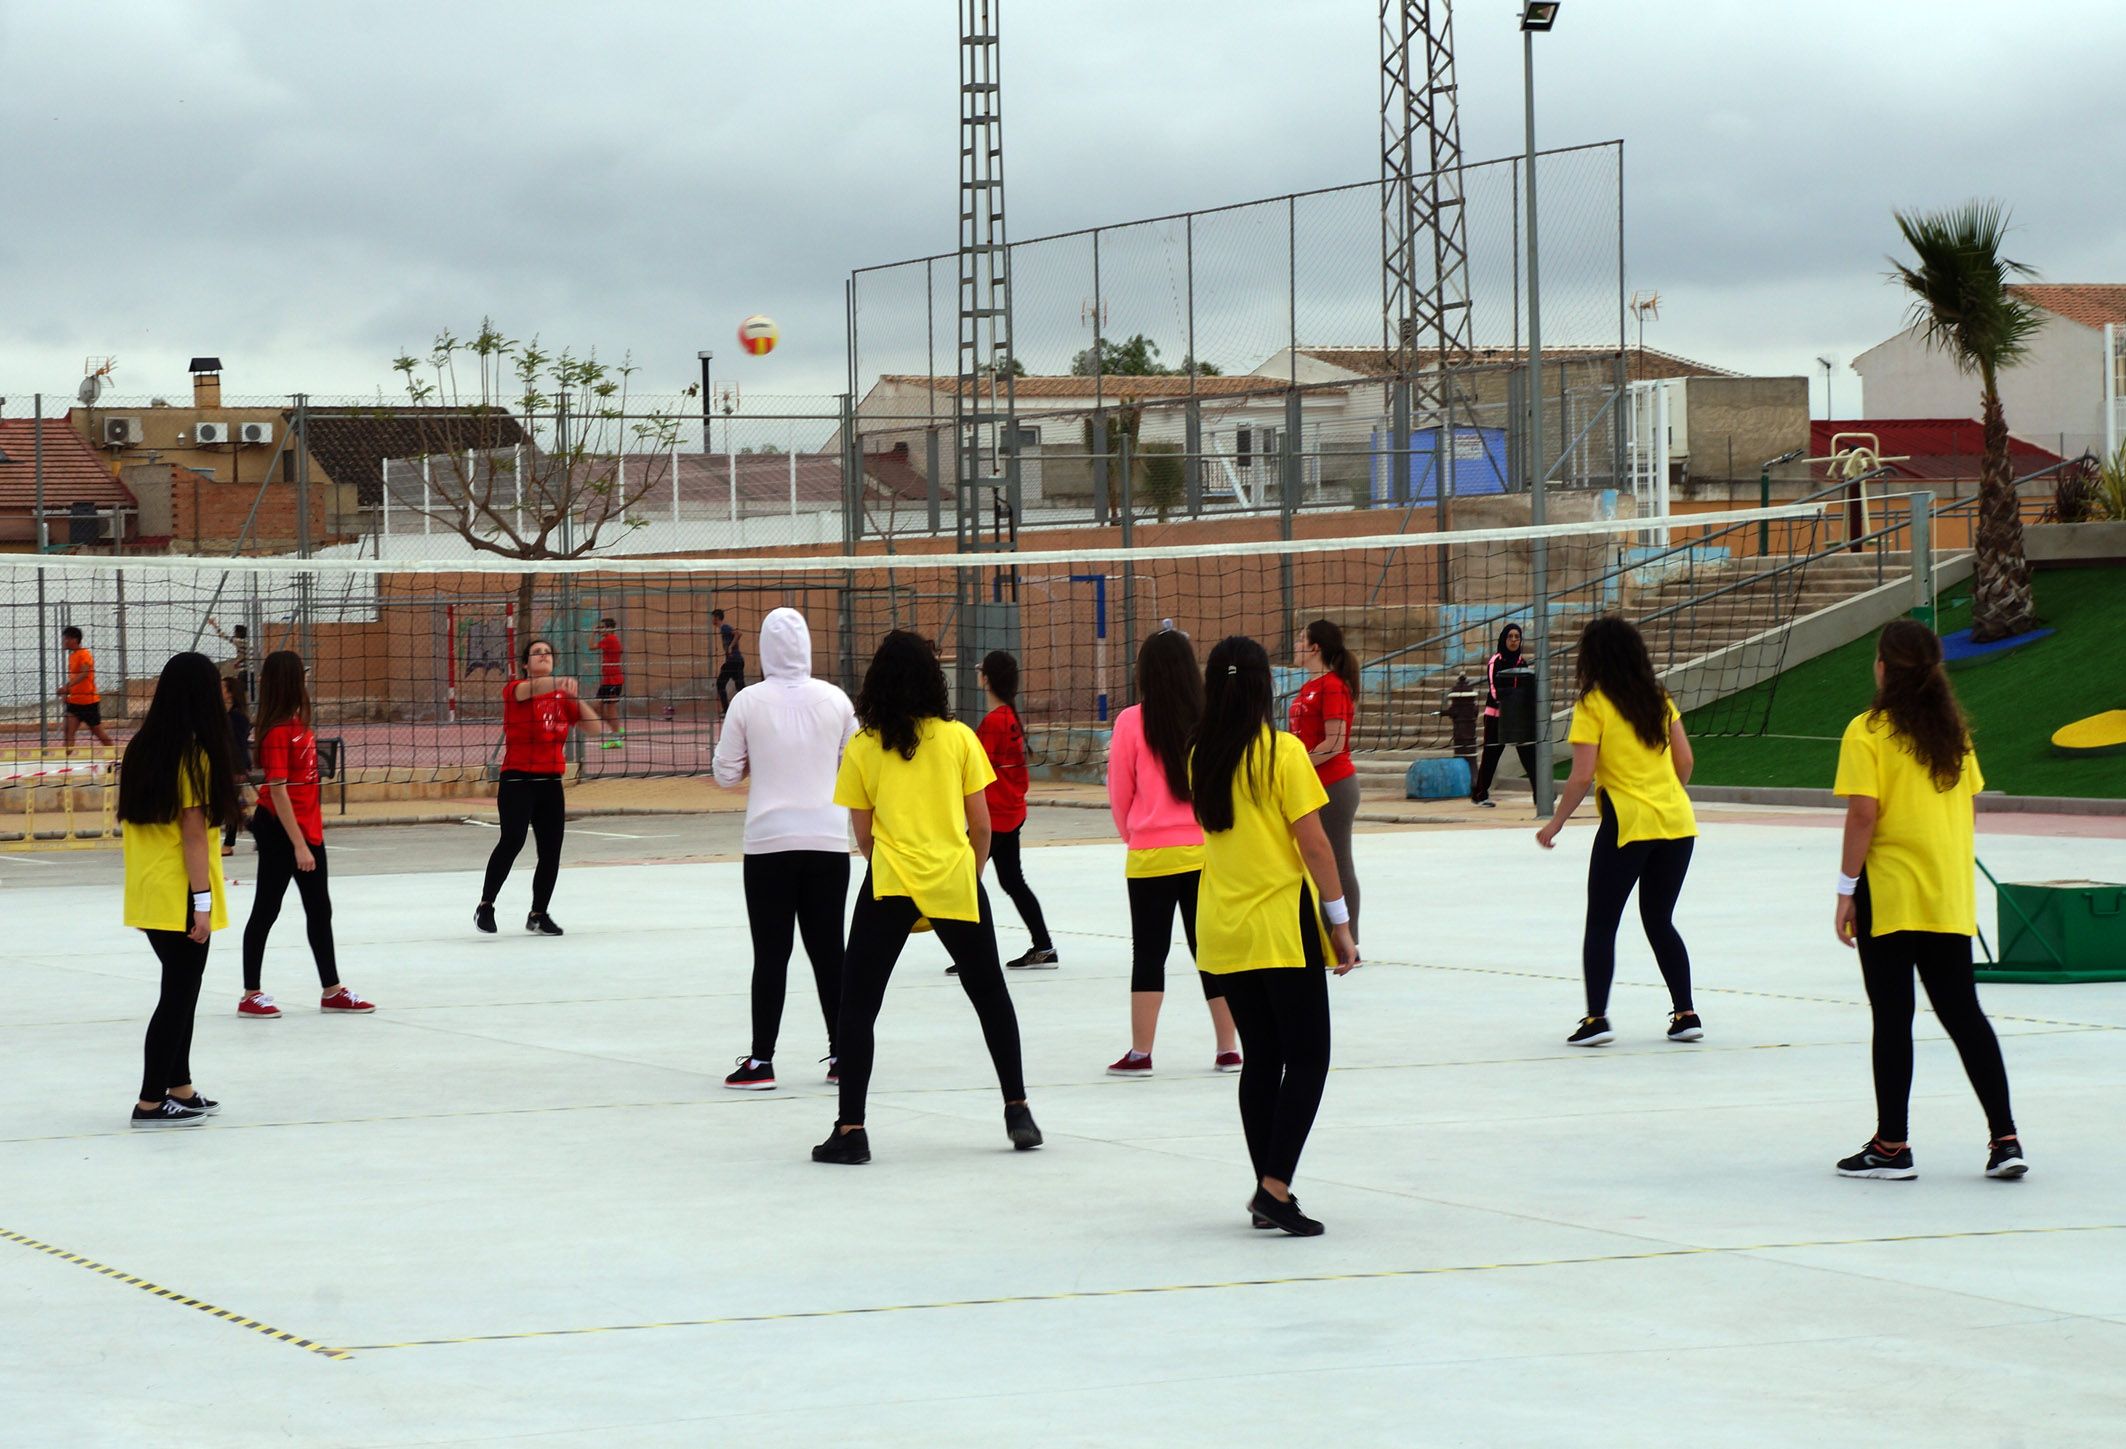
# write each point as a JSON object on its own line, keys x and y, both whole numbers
{"x": 787, "y": 734}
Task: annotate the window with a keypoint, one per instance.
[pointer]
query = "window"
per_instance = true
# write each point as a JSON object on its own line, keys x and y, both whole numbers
{"x": 1244, "y": 446}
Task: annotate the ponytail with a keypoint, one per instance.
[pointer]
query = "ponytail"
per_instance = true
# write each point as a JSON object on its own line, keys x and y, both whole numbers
{"x": 1329, "y": 639}
{"x": 1916, "y": 699}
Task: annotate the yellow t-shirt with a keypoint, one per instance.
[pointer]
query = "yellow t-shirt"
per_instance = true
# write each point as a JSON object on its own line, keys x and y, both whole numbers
{"x": 158, "y": 897}
{"x": 1920, "y": 864}
{"x": 1247, "y": 908}
{"x": 919, "y": 845}
{"x": 1641, "y": 783}
{"x": 1160, "y": 860}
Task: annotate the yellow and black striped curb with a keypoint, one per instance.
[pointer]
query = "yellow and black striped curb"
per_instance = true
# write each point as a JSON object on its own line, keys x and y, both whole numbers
{"x": 225, "y": 1314}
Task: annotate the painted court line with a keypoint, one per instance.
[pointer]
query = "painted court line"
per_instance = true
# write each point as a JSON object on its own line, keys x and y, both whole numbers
{"x": 227, "y": 1316}
{"x": 1086, "y": 1295}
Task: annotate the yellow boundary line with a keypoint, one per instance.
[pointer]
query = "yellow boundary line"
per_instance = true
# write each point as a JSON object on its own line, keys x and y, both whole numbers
{"x": 1091, "y": 1294}
{"x": 226, "y": 1315}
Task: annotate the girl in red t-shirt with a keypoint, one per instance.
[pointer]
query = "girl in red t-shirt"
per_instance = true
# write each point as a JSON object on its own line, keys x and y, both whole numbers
{"x": 1004, "y": 739}
{"x": 1324, "y": 712}
{"x": 537, "y": 712}
{"x": 289, "y": 827}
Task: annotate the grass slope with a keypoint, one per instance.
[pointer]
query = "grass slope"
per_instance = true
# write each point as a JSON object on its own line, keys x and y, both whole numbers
{"x": 2014, "y": 703}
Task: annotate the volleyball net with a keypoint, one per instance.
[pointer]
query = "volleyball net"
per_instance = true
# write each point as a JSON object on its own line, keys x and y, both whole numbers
{"x": 409, "y": 661}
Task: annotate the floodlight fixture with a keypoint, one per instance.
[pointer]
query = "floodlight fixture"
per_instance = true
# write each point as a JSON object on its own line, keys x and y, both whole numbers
{"x": 1539, "y": 15}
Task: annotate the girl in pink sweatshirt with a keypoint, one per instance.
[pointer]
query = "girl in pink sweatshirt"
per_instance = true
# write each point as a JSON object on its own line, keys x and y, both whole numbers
{"x": 1147, "y": 789}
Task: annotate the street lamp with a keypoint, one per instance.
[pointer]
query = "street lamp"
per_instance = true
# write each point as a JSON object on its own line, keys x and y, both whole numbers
{"x": 1537, "y": 15}
{"x": 706, "y": 414}
{"x": 1829, "y": 412}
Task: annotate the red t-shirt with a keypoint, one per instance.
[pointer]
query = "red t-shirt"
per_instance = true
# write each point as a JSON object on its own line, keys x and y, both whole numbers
{"x": 1005, "y": 743}
{"x": 612, "y": 673}
{"x": 288, "y": 756}
{"x": 535, "y": 730}
{"x": 1325, "y": 698}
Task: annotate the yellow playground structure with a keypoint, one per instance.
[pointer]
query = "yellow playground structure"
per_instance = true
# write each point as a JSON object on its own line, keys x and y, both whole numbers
{"x": 58, "y": 799}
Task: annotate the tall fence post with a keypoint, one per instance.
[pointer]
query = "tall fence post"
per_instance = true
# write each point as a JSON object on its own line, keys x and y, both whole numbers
{"x": 1102, "y": 483}
{"x": 1923, "y": 557}
{"x": 852, "y": 497}
{"x": 304, "y": 584}
{"x": 1192, "y": 424}
{"x": 933, "y": 496}
{"x": 44, "y": 543}
{"x": 1129, "y": 572}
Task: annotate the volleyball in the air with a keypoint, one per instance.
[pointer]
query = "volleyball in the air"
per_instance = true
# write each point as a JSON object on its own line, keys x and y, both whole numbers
{"x": 757, "y": 335}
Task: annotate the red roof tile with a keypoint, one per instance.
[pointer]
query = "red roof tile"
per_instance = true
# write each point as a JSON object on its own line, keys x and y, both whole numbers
{"x": 1641, "y": 363}
{"x": 1937, "y": 448}
{"x": 2090, "y": 303}
{"x": 73, "y": 473}
{"x": 1164, "y": 385}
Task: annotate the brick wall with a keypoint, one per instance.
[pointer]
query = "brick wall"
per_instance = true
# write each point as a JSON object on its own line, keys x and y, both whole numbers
{"x": 206, "y": 515}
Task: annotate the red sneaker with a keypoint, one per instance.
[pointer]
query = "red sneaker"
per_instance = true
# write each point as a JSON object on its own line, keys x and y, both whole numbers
{"x": 344, "y": 999}
{"x": 258, "y": 1006}
{"x": 1130, "y": 1064}
{"x": 1227, "y": 1062}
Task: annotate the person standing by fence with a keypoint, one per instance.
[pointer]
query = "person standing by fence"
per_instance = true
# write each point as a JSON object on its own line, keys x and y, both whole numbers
{"x": 84, "y": 705}
{"x": 1506, "y": 673}
{"x": 732, "y": 675}
{"x": 1003, "y": 738}
{"x": 1323, "y": 715}
{"x": 612, "y": 679}
{"x": 176, "y": 784}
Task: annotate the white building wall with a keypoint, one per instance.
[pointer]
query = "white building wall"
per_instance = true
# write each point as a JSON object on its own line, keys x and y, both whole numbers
{"x": 2054, "y": 398}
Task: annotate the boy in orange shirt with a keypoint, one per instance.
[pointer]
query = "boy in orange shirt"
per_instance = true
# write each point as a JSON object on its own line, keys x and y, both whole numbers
{"x": 84, "y": 706}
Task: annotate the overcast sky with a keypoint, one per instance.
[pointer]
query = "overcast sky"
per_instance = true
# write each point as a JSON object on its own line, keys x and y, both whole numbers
{"x": 308, "y": 190}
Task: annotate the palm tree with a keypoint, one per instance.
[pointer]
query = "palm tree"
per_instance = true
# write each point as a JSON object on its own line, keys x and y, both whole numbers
{"x": 1962, "y": 305}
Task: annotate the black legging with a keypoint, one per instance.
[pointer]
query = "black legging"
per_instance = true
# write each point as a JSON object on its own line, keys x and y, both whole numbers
{"x": 1657, "y": 868}
{"x": 790, "y": 892}
{"x": 1152, "y": 903}
{"x": 733, "y": 673}
{"x": 1282, "y": 1014}
{"x": 276, "y": 867}
{"x": 167, "y": 1053}
{"x": 1494, "y": 747}
{"x": 1943, "y": 962}
{"x": 1004, "y": 854}
{"x": 877, "y": 931}
{"x": 534, "y": 803}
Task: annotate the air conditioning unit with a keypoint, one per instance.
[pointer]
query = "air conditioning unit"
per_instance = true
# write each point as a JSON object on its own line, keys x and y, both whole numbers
{"x": 254, "y": 432}
{"x": 205, "y": 433}
{"x": 121, "y": 432}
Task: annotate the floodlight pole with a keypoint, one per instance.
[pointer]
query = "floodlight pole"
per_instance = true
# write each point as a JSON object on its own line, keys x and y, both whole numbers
{"x": 1544, "y": 786}
{"x": 707, "y": 410}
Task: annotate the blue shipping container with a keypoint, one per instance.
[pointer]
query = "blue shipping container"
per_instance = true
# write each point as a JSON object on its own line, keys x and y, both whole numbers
{"x": 1479, "y": 466}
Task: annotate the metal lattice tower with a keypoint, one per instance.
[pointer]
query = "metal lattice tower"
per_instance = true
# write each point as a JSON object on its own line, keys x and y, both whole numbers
{"x": 986, "y": 471}
{"x": 1424, "y": 243}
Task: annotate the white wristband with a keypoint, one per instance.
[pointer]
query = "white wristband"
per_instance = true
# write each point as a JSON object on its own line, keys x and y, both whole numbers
{"x": 203, "y": 900}
{"x": 1847, "y": 884}
{"x": 1335, "y": 912}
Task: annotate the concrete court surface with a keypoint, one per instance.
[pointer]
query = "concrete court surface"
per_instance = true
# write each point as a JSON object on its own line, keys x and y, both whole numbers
{"x": 516, "y": 1206}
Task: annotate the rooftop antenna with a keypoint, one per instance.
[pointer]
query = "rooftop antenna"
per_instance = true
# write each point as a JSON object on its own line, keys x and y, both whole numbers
{"x": 1643, "y": 306}
{"x": 98, "y": 370}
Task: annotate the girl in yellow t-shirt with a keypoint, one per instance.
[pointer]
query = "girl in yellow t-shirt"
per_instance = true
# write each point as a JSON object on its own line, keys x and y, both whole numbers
{"x": 1628, "y": 744}
{"x": 1270, "y": 916}
{"x": 913, "y": 780}
{"x": 175, "y": 785}
{"x": 1906, "y": 891}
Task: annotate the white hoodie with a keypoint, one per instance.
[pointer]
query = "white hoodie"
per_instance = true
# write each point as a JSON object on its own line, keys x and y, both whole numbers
{"x": 787, "y": 732}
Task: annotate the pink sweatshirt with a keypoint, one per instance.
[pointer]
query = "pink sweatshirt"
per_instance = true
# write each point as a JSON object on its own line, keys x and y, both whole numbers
{"x": 1146, "y": 812}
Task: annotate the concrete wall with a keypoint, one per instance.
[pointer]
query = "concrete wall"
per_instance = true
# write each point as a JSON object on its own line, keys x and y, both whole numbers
{"x": 2055, "y": 394}
{"x": 2066, "y": 544}
{"x": 1735, "y": 423}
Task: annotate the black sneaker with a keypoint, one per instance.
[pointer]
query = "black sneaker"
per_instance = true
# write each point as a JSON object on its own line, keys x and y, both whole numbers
{"x": 1685, "y": 1026}
{"x": 1018, "y": 1125}
{"x": 483, "y": 916}
{"x": 199, "y": 1102}
{"x": 753, "y": 1075}
{"x": 834, "y": 1070}
{"x": 847, "y": 1148}
{"x": 1593, "y": 1031}
{"x": 1285, "y": 1215}
{"x": 1487, "y": 803}
{"x": 1875, "y": 1160}
{"x": 169, "y": 1112}
{"x": 541, "y": 924}
{"x": 1041, "y": 958}
{"x": 2005, "y": 1159}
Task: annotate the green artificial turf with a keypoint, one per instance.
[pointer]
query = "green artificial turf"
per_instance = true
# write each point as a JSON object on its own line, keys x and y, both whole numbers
{"x": 2014, "y": 702}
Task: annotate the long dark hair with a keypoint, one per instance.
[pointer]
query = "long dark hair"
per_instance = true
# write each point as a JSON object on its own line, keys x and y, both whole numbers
{"x": 1230, "y": 749}
{"x": 1916, "y": 699}
{"x": 1002, "y": 672}
{"x": 283, "y": 693}
{"x": 903, "y": 687}
{"x": 1170, "y": 703}
{"x": 1613, "y": 659}
{"x": 1341, "y": 662}
{"x": 185, "y": 737}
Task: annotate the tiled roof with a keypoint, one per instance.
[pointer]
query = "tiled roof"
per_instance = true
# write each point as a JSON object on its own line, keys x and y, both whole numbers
{"x": 1113, "y": 386}
{"x": 352, "y": 450}
{"x": 1641, "y": 364}
{"x": 2090, "y": 303}
{"x": 1938, "y": 448}
{"x": 73, "y": 473}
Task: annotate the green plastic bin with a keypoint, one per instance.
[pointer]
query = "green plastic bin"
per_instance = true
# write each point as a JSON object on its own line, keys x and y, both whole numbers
{"x": 2060, "y": 930}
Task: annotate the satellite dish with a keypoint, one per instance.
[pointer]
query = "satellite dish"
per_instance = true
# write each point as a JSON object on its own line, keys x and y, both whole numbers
{"x": 91, "y": 389}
